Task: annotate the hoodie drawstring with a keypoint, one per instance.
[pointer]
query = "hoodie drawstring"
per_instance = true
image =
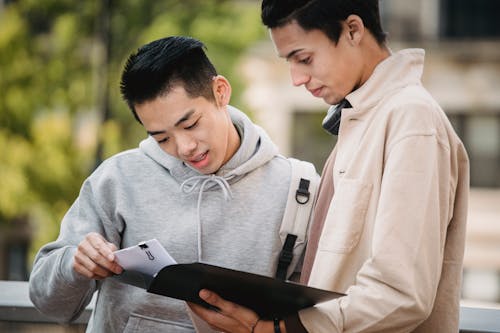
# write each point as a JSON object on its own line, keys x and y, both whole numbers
{"x": 190, "y": 184}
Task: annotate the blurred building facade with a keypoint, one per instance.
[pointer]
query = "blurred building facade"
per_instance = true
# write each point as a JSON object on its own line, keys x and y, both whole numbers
{"x": 462, "y": 71}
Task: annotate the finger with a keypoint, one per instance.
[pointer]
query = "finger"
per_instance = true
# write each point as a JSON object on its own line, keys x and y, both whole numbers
{"x": 79, "y": 268}
{"x": 85, "y": 272}
{"x": 226, "y": 307}
{"x": 101, "y": 252}
{"x": 217, "y": 321}
{"x": 242, "y": 315}
{"x": 199, "y": 310}
{"x": 104, "y": 247}
{"x": 84, "y": 264}
{"x": 90, "y": 257}
{"x": 203, "y": 313}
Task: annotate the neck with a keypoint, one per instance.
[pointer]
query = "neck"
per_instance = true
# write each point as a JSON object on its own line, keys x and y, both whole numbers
{"x": 374, "y": 54}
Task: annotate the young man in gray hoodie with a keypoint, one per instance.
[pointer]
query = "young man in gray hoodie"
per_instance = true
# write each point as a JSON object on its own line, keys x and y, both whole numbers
{"x": 207, "y": 183}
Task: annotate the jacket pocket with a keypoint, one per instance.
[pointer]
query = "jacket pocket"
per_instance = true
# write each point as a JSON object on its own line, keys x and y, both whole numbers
{"x": 143, "y": 324}
{"x": 346, "y": 216}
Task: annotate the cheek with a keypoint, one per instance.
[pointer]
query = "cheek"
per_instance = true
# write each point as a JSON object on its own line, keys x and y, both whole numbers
{"x": 219, "y": 144}
{"x": 326, "y": 72}
{"x": 218, "y": 141}
{"x": 341, "y": 77}
{"x": 169, "y": 149}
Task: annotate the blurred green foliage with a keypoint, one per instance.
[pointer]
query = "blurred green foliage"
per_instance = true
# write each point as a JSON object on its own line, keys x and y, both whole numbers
{"x": 60, "y": 107}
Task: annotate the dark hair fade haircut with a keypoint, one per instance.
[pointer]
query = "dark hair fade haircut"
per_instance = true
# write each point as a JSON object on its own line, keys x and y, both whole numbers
{"x": 324, "y": 15}
{"x": 160, "y": 65}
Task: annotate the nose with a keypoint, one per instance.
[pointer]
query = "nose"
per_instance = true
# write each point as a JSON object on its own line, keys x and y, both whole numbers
{"x": 186, "y": 146}
{"x": 299, "y": 76}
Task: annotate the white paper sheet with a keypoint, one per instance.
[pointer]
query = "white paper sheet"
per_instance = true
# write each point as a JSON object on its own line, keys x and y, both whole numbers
{"x": 147, "y": 257}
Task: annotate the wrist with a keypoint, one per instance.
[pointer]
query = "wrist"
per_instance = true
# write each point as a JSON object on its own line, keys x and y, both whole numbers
{"x": 267, "y": 326}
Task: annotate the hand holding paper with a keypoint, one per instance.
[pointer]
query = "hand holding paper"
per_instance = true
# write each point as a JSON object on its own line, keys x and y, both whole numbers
{"x": 94, "y": 257}
{"x": 147, "y": 257}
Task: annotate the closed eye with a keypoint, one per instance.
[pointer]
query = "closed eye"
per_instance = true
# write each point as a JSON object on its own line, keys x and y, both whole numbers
{"x": 305, "y": 61}
{"x": 192, "y": 126}
{"x": 163, "y": 140}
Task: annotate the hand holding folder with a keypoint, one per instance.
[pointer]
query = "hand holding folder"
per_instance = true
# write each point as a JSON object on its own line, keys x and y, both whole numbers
{"x": 268, "y": 297}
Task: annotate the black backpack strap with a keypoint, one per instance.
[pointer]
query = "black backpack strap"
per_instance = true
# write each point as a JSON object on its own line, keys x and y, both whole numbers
{"x": 302, "y": 194}
{"x": 286, "y": 257}
{"x": 304, "y": 181}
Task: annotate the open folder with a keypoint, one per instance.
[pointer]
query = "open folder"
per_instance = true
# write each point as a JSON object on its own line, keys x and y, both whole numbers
{"x": 268, "y": 297}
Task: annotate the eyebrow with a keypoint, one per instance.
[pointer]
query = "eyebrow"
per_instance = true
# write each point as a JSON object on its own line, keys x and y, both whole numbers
{"x": 185, "y": 117}
{"x": 291, "y": 54}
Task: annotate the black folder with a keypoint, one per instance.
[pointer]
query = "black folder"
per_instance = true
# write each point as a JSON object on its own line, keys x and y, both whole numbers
{"x": 268, "y": 297}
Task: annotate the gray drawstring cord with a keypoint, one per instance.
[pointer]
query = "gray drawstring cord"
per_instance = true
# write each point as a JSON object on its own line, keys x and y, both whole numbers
{"x": 189, "y": 185}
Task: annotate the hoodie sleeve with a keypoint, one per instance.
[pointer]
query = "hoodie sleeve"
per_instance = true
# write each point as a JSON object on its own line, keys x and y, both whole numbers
{"x": 54, "y": 287}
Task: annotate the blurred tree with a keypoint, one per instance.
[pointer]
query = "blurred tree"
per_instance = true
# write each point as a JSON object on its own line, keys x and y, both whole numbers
{"x": 61, "y": 112}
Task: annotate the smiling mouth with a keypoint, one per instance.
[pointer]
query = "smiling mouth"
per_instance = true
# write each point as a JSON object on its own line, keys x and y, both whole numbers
{"x": 199, "y": 158}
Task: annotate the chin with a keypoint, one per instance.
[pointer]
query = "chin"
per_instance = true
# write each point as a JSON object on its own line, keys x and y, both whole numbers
{"x": 330, "y": 101}
{"x": 333, "y": 100}
{"x": 209, "y": 170}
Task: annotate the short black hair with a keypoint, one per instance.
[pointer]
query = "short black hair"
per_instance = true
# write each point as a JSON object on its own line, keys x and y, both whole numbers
{"x": 324, "y": 15}
{"x": 160, "y": 65}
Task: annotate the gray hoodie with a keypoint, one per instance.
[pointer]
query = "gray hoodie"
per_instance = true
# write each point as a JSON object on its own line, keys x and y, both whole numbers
{"x": 230, "y": 219}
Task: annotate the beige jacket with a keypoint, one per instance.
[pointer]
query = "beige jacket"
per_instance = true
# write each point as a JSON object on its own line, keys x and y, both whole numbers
{"x": 394, "y": 231}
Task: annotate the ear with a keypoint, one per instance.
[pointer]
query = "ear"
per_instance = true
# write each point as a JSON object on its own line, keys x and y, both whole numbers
{"x": 355, "y": 29}
{"x": 222, "y": 90}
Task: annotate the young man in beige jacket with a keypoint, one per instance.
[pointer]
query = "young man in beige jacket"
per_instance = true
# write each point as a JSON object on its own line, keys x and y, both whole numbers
{"x": 390, "y": 219}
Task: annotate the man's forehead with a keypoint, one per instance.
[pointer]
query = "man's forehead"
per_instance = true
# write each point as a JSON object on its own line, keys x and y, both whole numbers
{"x": 289, "y": 39}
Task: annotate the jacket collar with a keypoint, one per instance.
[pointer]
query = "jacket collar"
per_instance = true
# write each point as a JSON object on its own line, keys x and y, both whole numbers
{"x": 400, "y": 69}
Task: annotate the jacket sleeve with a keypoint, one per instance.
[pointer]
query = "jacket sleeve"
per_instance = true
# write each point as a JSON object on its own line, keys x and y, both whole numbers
{"x": 54, "y": 287}
{"x": 396, "y": 287}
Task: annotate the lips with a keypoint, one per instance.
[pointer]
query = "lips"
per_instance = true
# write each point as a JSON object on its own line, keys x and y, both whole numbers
{"x": 199, "y": 158}
{"x": 316, "y": 92}
{"x": 200, "y": 161}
